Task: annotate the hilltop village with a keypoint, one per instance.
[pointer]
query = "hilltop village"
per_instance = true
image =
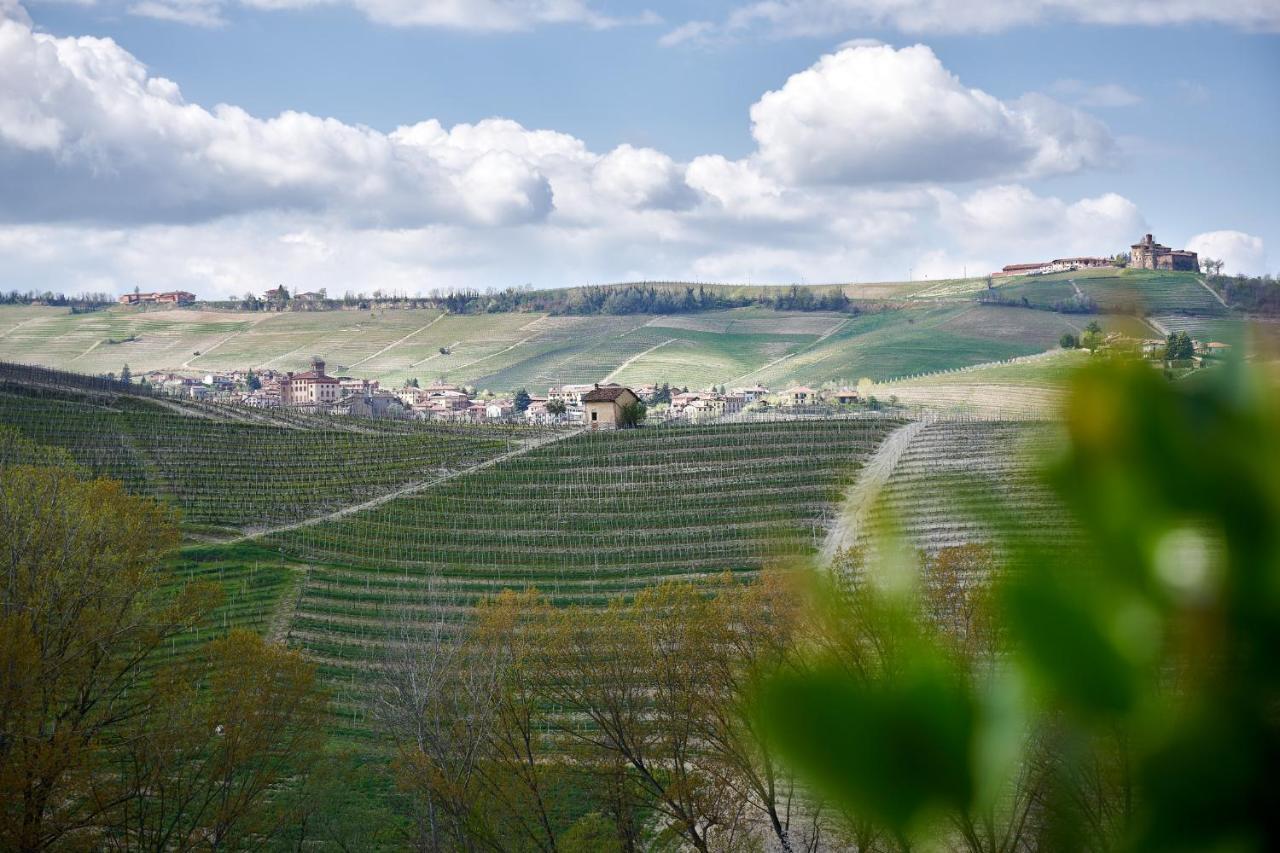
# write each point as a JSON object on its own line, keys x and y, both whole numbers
{"x": 315, "y": 391}
{"x": 1146, "y": 254}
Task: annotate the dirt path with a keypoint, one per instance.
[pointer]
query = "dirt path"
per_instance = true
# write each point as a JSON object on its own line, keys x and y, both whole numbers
{"x": 861, "y": 496}
{"x": 96, "y": 344}
{"x": 12, "y": 329}
{"x": 396, "y": 343}
{"x": 1076, "y": 287}
{"x": 492, "y": 354}
{"x": 434, "y": 355}
{"x": 405, "y": 491}
{"x": 828, "y": 333}
{"x": 253, "y": 324}
{"x": 630, "y": 361}
{"x": 1213, "y": 293}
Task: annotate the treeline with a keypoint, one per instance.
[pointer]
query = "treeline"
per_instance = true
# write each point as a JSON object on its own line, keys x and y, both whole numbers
{"x": 1254, "y": 294}
{"x": 613, "y": 299}
{"x": 48, "y": 297}
{"x": 1071, "y": 305}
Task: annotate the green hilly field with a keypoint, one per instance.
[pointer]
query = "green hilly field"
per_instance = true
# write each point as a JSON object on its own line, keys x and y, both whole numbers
{"x": 897, "y": 331}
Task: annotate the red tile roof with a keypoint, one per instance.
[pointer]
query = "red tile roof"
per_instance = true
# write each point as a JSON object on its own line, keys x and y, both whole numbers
{"x": 606, "y": 394}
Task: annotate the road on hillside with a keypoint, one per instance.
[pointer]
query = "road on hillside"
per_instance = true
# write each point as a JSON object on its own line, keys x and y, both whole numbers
{"x": 861, "y": 496}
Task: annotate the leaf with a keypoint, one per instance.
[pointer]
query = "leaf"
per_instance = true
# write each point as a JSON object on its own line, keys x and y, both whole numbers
{"x": 893, "y": 750}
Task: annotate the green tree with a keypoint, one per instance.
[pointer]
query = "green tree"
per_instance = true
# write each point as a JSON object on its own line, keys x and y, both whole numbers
{"x": 84, "y": 610}
{"x": 126, "y": 375}
{"x": 1068, "y": 341}
{"x": 522, "y": 400}
{"x": 221, "y": 732}
{"x": 556, "y": 407}
{"x": 632, "y": 414}
{"x": 1179, "y": 347}
{"x": 252, "y": 381}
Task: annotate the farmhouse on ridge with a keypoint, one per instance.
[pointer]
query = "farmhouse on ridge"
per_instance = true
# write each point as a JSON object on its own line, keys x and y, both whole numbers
{"x": 604, "y": 405}
{"x": 170, "y": 297}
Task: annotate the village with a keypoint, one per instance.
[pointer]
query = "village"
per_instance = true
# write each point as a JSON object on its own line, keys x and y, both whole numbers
{"x": 596, "y": 405}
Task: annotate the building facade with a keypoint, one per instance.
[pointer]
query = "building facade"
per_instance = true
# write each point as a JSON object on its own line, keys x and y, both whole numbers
{"x": 1150, "y": 255}
{"x": 604, "y": 405}
{"x": 170, "y": 297}
{"x": 312, "y": 388}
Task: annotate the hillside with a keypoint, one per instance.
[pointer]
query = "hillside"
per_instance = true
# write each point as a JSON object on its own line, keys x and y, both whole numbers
{"x": 327, "y": 536}
{"x": 505, "y": 351}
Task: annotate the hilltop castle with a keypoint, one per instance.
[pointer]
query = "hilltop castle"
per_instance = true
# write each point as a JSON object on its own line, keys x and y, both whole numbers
{"x": 1150, "y": 255}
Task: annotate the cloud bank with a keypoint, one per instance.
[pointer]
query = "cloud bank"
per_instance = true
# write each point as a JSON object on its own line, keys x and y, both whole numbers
{"x": 1239, "y": 252}
{"x": 112, "y": 179}
{"x": 791, "y": 18}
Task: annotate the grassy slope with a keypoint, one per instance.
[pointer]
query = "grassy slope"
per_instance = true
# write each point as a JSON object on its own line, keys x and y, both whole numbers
{"x": 935, "y": 326}
{"x": 1128, "y": 291}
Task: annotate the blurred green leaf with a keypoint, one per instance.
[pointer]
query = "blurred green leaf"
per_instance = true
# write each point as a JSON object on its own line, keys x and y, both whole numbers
{"x": 1061, "y": 634}
{"x": 896, "y": 750}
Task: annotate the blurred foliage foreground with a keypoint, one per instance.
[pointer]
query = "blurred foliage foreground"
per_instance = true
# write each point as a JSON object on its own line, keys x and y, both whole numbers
{"x": 1120, "y": 695}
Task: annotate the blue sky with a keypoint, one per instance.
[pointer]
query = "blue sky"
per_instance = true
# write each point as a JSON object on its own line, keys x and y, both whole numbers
{"x": 573, "y": 141}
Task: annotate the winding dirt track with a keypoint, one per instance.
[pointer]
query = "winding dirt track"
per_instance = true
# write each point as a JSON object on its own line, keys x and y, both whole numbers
{"x": 859, "y": 497}
{"x": 404, "y": 491}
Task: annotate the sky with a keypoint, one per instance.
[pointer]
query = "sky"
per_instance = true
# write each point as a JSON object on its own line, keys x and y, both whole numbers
{"x": 227, "y": 146}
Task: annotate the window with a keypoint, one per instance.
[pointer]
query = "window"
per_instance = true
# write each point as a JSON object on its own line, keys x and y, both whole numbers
{"x": 593, "y": 415}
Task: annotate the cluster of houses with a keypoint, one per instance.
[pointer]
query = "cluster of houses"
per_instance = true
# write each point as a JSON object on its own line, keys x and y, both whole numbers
{"x": 1146, "y": 254}
{"x": 169, "y": 297}
{"x": 594, "y": 405}
{"x": 572, "y": 403}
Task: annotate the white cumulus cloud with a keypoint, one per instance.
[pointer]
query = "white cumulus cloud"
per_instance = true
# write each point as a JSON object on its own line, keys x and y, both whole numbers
{"x": 827, "y": 17}
{"x": 471, "y": 15}
{"x": 1239, "y": 252}
{"x": 876, "y": 114}
{"x": 111, "y": 179}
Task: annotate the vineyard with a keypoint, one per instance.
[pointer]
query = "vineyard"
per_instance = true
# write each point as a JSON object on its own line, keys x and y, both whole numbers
{"x": 580, "y": 519}
{"x": 272, "y": 511}
{"x": 505, "y": 351}
{"x": 955, "y": 476}
{"x": 1137, "y": 292}
{"x": 226, "y": 475}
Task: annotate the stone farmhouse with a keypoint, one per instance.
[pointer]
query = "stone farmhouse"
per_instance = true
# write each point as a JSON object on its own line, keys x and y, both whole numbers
{"x": 1150, "y": 255}
{"x": 604, "y": 405}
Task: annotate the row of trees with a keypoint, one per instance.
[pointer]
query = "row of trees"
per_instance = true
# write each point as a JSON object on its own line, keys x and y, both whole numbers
{"x": 501, "y": 725}
{"x": 1255, "y": 294}
{"x": 48, "y": 297}
{"x": 587, "y": 300}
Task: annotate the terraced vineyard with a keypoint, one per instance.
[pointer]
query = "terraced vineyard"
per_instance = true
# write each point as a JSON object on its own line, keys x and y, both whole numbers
{"x": 581, "y": 519}
{"x": 225, "y": 475}
{"x": 1120, "y": 291}
{"x": 954, "y": 472}
{"x": 503, "y": 352}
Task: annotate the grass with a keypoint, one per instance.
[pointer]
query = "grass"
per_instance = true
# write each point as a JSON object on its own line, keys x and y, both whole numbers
{"x": 909, "y": 328}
